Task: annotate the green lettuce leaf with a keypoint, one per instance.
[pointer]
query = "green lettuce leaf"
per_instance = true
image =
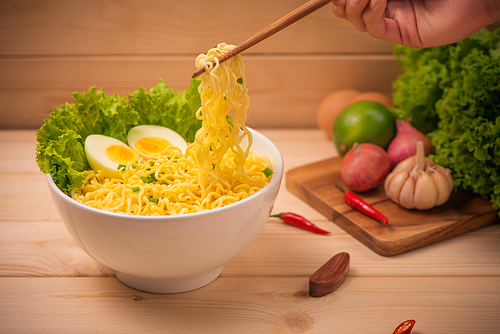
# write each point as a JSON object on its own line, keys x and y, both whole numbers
{"x": 162, "y": 106}
{"x": 150, "y": 105}
{"x": 452, "y": 93}
{"x": 61, "y": 139}
{"x": 61, "y": 154}
{"x": 180, "y": 112}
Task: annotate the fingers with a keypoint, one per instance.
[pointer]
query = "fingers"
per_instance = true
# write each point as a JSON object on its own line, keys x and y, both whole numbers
{"x": 338, "y": 8}
{"x": 374, "y": 18}
{"x": 379, "y": 24}
{"x": 354, "y": 12}
{"x": 365, "y": 15}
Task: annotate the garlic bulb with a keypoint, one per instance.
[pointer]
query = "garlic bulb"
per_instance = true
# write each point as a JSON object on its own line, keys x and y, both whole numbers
{"x": 418, "y": 183}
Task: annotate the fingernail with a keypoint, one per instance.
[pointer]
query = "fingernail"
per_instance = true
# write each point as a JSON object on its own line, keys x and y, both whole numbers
{"x": 373, "y": 3}
{"x": 354, "y": 2}
{"x": 335, "y": 8}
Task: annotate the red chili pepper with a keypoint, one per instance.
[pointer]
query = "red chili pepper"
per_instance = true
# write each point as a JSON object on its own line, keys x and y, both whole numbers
{"x": 358, "y": 204}
{"x": 299, "y": 221}
{"x": 405, "y": 327}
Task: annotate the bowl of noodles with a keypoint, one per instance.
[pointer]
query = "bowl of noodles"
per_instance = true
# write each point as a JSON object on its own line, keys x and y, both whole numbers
{"x": 173, "y": 253}
{"x": 165, "y": 223}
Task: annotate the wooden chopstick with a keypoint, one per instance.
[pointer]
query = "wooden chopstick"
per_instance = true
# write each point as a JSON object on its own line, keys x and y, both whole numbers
{"x": 271, "y": 29}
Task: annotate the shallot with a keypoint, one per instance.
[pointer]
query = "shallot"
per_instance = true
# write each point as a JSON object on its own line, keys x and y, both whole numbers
{"x": 404, "y": 144}
{"x": 364, "y": 166}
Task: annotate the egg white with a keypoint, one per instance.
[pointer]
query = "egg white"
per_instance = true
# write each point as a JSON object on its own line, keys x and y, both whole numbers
{"x": 95, "y": 150}
{"x": 143, "y": 131}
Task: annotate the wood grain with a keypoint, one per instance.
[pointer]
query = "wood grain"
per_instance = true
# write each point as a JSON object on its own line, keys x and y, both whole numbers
{"x": 45, "y": 249}
{"x": 49, "y": 285}
{"x": 30, "y": 89}
{"x": 167, "y": 27}
{"x": 407, "y": 229}
{"x": 249, "y": 305}
{"x": 34, "y": 241}
{"x": 269, "y": 30}
{"x": 52, "y": 48}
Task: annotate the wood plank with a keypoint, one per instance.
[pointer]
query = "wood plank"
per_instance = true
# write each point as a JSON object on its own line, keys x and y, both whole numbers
{"x": 45, "y": 249}
{"x": 34, "y": 241}
{"x": 17, "y": 148}
{"x": 169, "y": 27}
{"x": 285, "y": 91}
{"x": 49, "y": 285}
{"x": 277, "y": 251}
{"x": 26, "y": 197}
{"x": 407, "y": 229}
{"x": 250, "y": 305}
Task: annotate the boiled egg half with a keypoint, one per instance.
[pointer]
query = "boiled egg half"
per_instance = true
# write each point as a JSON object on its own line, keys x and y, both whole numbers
{"x": 150, "y": 140}
{"x": 107, "y": 154}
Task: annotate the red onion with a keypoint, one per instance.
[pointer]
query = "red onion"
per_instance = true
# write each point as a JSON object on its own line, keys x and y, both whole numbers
{"x": 364, "y": 166}
{"x": 404, "y": 144}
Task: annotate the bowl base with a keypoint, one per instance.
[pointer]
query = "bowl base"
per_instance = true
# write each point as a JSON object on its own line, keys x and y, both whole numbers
{"x": 168, "y": 285}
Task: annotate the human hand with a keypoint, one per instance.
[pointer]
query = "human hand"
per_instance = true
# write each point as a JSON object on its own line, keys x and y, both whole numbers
{"x": 419, "y": 23}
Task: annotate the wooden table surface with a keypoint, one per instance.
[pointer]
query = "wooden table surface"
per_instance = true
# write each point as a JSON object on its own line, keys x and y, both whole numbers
{"x": 49, "y": 285}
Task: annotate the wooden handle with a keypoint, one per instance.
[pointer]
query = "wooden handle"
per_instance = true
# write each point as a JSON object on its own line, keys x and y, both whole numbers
{"x": 330, "y": 276}
{"x": 271, "y": 29}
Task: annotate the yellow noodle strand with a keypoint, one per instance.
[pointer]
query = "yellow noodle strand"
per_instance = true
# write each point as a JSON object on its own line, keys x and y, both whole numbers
{"x": 215, "y": 170}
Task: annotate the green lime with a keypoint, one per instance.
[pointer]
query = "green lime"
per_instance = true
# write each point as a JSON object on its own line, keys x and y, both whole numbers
{"x": 363, "y": 122}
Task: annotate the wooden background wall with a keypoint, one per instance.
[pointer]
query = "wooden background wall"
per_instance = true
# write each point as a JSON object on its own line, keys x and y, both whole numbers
{"x": 51, "y": 48}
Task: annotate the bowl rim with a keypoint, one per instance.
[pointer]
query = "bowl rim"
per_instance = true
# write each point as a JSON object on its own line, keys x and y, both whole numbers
{"x": 275, "y": 182}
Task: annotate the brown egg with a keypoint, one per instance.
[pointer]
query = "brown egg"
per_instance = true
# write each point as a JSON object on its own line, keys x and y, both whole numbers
{"x": 373, "y": 96}
{"x": 331, "y": 106}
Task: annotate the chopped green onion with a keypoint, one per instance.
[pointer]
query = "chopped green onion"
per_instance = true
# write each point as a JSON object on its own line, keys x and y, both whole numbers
{"x": 267, "y": 172}
{"x": 240, "y": 80}
{"x": 153, "y": 177}
{"x": 153, "y": 199}
{"x": 122, "y": 167}
{"x": 135, "y": 189}
{"x": 229, "y": 120}
{"x": 151, "y": 164}
{"x": 145, "y": 179}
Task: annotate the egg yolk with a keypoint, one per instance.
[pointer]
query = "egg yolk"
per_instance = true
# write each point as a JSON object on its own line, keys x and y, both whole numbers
{"x": 120, "y": 154}
{"x": 151, "y": 145}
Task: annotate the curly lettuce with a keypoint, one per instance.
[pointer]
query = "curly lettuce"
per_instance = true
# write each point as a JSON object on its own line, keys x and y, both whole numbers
{"x": 61, "y": 139}
{"x": 452, "y": 93}
{"x": 162, "y": 106}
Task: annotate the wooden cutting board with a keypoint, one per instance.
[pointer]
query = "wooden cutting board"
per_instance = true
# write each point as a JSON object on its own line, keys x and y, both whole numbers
{"x": 407, "y": 229}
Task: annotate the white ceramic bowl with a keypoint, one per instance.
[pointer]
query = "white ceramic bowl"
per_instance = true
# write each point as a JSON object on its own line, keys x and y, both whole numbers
{"x": 170, "y": 254}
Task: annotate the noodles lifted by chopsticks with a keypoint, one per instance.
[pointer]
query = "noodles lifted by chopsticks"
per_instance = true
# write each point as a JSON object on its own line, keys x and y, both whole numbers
{"x": 223, "y": 91}
{"x": 216, "y": 170}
